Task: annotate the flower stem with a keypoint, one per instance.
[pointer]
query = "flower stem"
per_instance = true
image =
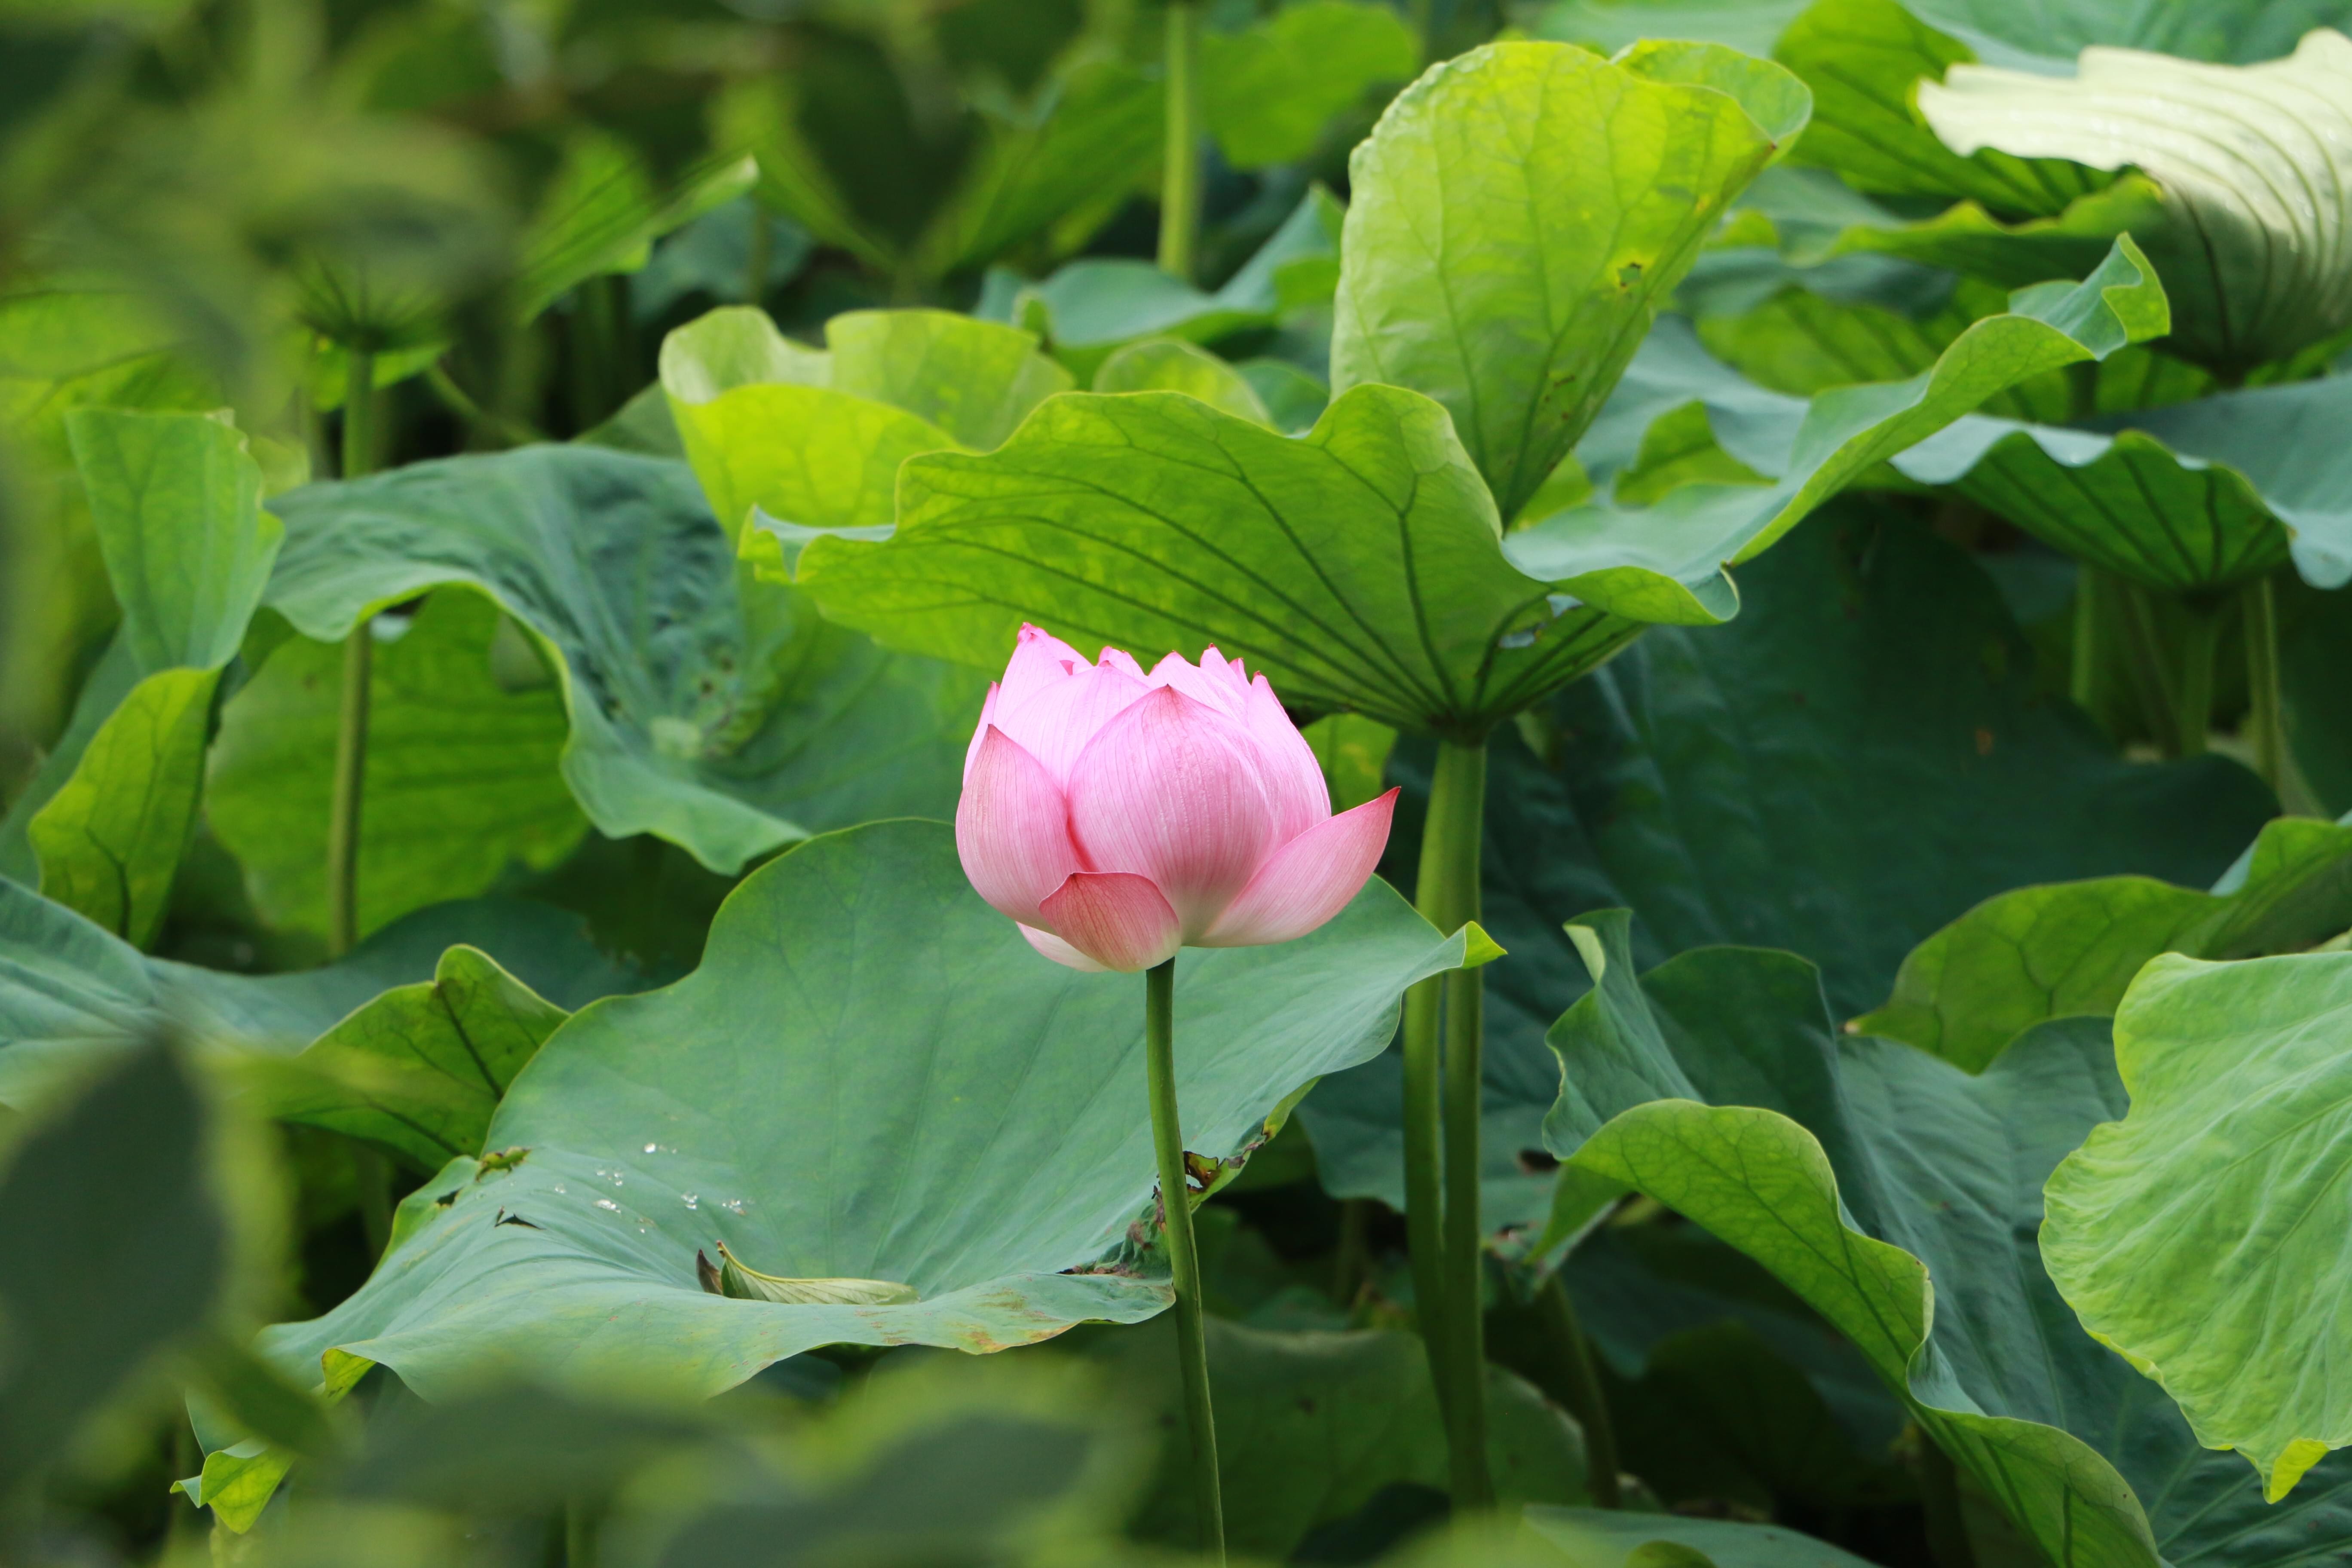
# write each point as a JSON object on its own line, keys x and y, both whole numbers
{"x": 1580, "y": 1384}
{"x": 1183, "y": 1256}
{"x": 1442, "y": 1172}
{"x": 1180, "y": 177}
{"x": 2265, "y": 718}
{"x": 352, "y": 713}
{"x": 2201, "y": 631}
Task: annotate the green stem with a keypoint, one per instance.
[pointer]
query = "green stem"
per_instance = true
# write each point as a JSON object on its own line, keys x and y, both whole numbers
{"x": 2265, "y": 716}
{"x": 2083, "y": 679}
{"x": 351, "y": 712}
{"x": 479, "y": 420}
{"x": 1183, "y": 1258}
{"x": 1180, "y": 179}
{"x": 2201, "y": 632}
{"x": 1579, "y": 1385}
{"x": 2158, "y": 704}
{"x": 1352, "y": 1263}
{"x": 1442, "y": 1172}
{"x": 579, "y": 1533}
{"x": 372, "y": 1175}
{"x": 1939, "y": 1495}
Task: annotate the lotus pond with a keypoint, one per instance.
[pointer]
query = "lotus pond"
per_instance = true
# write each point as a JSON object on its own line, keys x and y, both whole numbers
{"x": 1551, "y": 784}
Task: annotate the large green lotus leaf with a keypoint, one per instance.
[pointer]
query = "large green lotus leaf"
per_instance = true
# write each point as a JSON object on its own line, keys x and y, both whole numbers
{"x": 1811, "y": 449}
{"x": 1864, "y": 60}
{"x": 419, "y": 1069}
{"x": 175, "y": 501}
{"x": 815, "y": 440}
{"x": 1268, "y": 90}
{"x": 2189, "y": 1235}
{"x": 1614, "y": 1537}
{"x": 2255, "y": 163}
{"x": 871, "y": 1077}
{"x": 176, "y": 498}
{"x": 70, "y": 988}
{"x": 1092, "y": 305}
{"x": 110, "y": 841}
{"x": 2205, "y": 493}
{"x": 1519, "y": 312}
{"x": 1311, "y": 1424}
{"x": 1360, "y": 566}
{"x": 728, "y": 724}
{"x": 1895, "y": 1192}
{"x": 605, "y": 211}
{"x": 463, "y": 780}
{"x": 2053, "y": 952}
{"x": 1852, "y": 765}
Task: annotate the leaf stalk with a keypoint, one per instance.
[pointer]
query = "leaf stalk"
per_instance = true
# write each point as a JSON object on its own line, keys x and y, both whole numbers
{"x": 1183, "y": 1254}
{"x": 2265, "y": 718}
{"x": 351, "y": 712}
{"x": 1179, "y": 176}
{"x": 1442, "y": 1130}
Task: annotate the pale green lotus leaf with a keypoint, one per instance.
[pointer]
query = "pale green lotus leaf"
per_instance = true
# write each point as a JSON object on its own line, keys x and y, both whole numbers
{"x": 2255, "y": 163}
{"x": 1171, "y": 364}
{"x": 2193, "y": 1234}
{"x": 1517, "y": 217}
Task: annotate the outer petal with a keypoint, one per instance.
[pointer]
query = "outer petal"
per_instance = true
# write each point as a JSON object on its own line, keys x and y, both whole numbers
{"x": 1012, "y": 829}
{"x": 1115, "y": 918}
{"x": 1060, "y": 951}
{"x": 1039, "y": 659}
{"x": 1309, "y": 880}
{"x": 980, "y": 730}
{"x": 1293, "y": 779}
{"x": 1173, "y": 790}
{"x": 1055, "y": 725}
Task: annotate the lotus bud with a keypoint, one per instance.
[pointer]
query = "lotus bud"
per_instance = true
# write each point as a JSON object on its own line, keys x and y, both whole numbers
{"x": 1117, "y": 814}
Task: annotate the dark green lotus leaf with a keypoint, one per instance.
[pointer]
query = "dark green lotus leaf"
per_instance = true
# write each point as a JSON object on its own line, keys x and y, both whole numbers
{"x": 2315, "y": 650}
{"x": 726, "y": 723}
{"x": 1851, "y": 765}
{"x": 462, "y": 779}
{"x": 871, "y": 1077}
{"x": 1859, "y": 1170}
{"x": 1311, "y": 1424}
{"x": 126, "y": 1160}
{"x": 2184, "y": 1232}
{"x": 2055, "y": 951}
{"x": 70, "y": 988}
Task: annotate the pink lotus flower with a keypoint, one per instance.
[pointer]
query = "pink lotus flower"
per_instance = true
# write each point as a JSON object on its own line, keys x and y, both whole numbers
{"x": 1119, "y": 816}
